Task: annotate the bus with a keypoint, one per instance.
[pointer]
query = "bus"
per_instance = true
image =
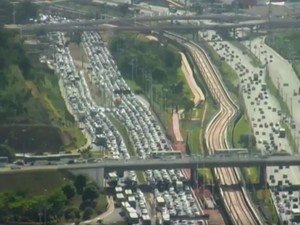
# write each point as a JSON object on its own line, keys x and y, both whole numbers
{"x": 228, "y": 152}
{"x": 166, "y": 154}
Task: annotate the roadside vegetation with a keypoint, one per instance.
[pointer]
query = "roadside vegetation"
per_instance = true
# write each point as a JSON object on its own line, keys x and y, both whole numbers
{"x": 144, "y": 63}
{"x": 97, "y": 10}
{"x": 266, "y": 206}
{"x": 24, "y": 11}
{"x": 33, "y": 115}
{"x": 238, "y": 131}
{"x": 49, "y": 196}
{"x": 287, "y": 44}
{"x": 153, "y": 71}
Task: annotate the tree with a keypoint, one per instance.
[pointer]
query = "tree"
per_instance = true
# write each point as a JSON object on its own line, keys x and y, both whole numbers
{"x": 80, "y": 182}
{"x": 69, "y": 191}
{"x": 90, "y": 192}
{"x": 88, "y": 212}
{"x": 72, "y": 213}
{"x": 56, "y": 202}
{"x": 7, "y": 151}
{"x": 247, "y": 140}
{"x": 124, "y": 8}
{"x": 26, "y": 10}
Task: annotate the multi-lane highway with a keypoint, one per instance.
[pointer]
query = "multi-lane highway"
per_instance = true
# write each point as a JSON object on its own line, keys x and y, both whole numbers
{"x": 237, "y": 204}
{"x": 216, "y": 137}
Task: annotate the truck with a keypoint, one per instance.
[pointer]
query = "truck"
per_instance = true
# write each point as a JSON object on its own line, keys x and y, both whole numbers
{"x": 133, "y": 218}
{"x": 166, "y": 219}
{"x": 132, "y": 201}
{"x": 179, "y": 186}
{"x": 282, "y": 133}
{"x": 119, "y": 199}
{"x": 146, "y": 220}
{"x": 160, "y": 202}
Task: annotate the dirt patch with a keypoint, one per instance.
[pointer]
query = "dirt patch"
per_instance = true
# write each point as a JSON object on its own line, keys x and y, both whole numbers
{"x": 215, "y": 217}
{"x": 78, "y": 55}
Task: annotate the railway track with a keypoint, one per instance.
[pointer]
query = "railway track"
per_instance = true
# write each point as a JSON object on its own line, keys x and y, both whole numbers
{"x": 236, "y": 201}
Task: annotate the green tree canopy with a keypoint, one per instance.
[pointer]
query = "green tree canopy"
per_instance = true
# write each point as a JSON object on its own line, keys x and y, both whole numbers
{"x": 6, "y": 150}
{"x": 80, "y": 182}
{"x": 90, "y": 192}
{"x": 26, "y": 10}
{"x": 88, "y": 212}
{"x": 69, "y": 190}
{"x": 56, "y": 202}
{"x": 72, "y": 213}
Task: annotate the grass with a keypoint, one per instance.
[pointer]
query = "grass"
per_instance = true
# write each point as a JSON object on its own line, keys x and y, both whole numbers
{"x": 186, "y": 87}
{"x": 122, "y": 129}
{"x": 286, "y": 44}
{"x": 206, "y": 174}
{"x": 43, "y": 182}
{"x": 265, "y": 197}
{"x": 74, "y": 138}
{"x": 193, "y": 141}
{"x": 35, "y": 182}
{"x": 242, "y": 127}
{"x": 95, "y": 8}
{"x": 133, "y": 85}
{"x": 252, "y": 173}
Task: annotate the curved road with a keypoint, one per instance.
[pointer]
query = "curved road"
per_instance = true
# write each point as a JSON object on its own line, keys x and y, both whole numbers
{"x": 236, "y": 202}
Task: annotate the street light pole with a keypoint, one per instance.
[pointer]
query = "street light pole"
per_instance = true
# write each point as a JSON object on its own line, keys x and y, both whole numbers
{"x": 14, "y": 13}
{"x": 45, "y": 209}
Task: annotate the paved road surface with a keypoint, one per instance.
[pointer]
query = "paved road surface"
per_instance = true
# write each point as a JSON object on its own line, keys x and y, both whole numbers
{"x": 283, "y": 76}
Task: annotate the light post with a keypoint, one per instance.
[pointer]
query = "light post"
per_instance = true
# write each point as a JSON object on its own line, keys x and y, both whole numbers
{"x": 45, "y": 208}
{"x": 14, "y": 13}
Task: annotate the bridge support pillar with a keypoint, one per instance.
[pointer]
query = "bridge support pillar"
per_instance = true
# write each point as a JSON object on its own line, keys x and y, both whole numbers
{"x": 263, "y": 175}
{"x": 96, "y": 174}
{"x": 195, "y": 35}
{"x": 233, "y": 32}
{"x": 194, "y": 177}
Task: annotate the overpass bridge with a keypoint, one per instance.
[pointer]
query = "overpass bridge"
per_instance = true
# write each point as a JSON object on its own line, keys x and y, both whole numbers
{"x": 258, "y": 24}
{"x": 98, "y": 169}
{"x": 170, "y": 27}
{"x": 216, "y": 17}
{"x": 192, "y": 162}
